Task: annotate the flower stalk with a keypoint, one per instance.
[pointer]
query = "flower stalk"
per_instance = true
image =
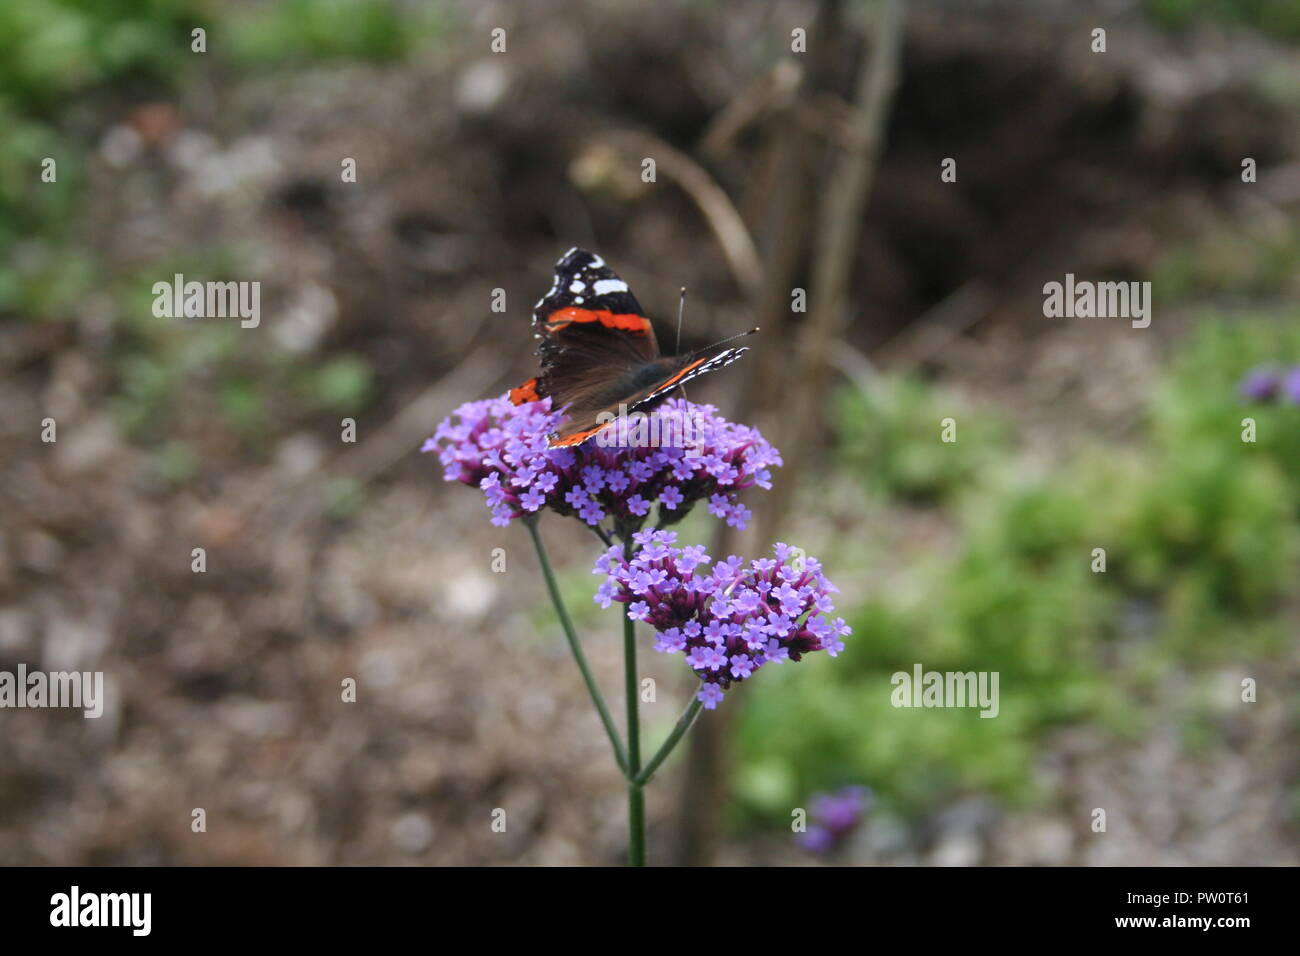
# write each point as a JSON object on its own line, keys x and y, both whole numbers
{"x": 635, "y": 793}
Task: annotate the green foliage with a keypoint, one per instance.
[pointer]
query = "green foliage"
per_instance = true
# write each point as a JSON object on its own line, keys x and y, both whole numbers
{"x": 36, "y": 272}
{"x": 157, "y": 358}
{"x": 53, "y": 52}
{"x": 1280, "y": 17}
{"x": 1198, "y": 404}
{"x": 878, "y": 439}
{"x": 313, "y": 30}
{"x": 51, "y": 49}
{"x": 1201, "y": 533}
{"x": 236, "y": 380}
{"x": 1231, "y": 262}
{"x": 340, "y": 384}
{"x": 1225, "y": 519}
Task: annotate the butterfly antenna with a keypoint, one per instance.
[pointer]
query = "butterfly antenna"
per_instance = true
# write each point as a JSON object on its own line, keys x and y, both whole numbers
{"x": 729, "y": 338}
{"x": 677, "y": 349}
{"x": 681, "y": 309}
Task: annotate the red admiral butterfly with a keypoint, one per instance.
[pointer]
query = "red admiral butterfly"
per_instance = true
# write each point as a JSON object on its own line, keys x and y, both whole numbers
{"x": 598, "y": 351}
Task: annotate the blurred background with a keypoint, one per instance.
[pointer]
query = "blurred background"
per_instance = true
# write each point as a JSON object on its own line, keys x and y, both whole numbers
{"x": 776, "y": 170}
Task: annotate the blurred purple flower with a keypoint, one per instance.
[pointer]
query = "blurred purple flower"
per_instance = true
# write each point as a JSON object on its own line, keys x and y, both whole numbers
{"x": 1291, "y": 386}
{"x": 731, "y": 621}
{"x": 1260, "y": 384}
{"x": 834, "y": 816}
{"x": 501, "y": 448}
{"x": 817, "y": 839}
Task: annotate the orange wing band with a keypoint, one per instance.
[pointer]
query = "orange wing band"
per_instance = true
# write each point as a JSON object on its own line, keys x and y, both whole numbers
{"x": 679, "y": 376}
{"x": 623, "y": 321}
{"x": 577, "y": 438}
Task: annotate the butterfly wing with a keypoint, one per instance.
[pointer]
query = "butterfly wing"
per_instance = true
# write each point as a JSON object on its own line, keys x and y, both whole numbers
{"x": 590, "y": 415}
{"x": 588, "y": 294}
{"x": 592, "y": 332}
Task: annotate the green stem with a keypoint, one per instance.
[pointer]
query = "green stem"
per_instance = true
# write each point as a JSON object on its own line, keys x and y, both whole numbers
{"x": 684, "y": 723}
{"x": 635, "y": 793}
{"x": 576, "y": 648}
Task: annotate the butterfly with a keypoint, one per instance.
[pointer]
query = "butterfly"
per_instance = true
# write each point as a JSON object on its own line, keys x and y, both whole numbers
{"x": 598, "y": 351}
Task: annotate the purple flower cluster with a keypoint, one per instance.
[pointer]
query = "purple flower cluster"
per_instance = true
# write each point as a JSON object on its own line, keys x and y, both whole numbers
{"x": 501, "y": 448}
{"x": 834, "y": 817}
{"x": 1267, "y": 383}
{"x": 728, "y": 622}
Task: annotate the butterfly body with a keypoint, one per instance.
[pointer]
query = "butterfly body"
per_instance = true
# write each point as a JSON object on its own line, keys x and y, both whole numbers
{"x": 598, "y": 351}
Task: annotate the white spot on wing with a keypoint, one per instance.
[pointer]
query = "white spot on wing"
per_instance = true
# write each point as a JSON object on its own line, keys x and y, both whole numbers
{"x": 606, "y": 286}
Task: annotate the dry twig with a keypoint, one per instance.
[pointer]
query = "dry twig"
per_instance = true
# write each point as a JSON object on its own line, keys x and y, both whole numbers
{"x": 716, "y": 206}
